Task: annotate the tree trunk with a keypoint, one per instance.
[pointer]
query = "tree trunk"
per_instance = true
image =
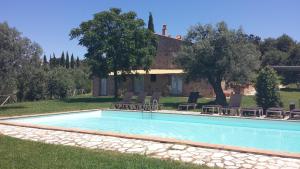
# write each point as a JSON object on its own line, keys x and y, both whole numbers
{"x": 220, "y": 96}
{"x": 116, "y": 84}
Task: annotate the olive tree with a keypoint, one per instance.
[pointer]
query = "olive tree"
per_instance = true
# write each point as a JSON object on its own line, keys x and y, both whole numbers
{"x": 218, "y": 54}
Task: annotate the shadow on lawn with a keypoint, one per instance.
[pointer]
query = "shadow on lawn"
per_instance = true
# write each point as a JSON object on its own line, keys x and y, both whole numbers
{"x": 199, "y": 105}
{"x": 7, "y": 107}
{"x": 290, "y": 89}
{"x": 91, "y": 100}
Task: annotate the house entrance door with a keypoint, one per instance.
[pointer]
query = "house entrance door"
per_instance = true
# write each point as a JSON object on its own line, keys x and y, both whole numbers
{"x": 139, "y": 84}
{"x": 176, "y": 86}
{"x": 103, "y": 91}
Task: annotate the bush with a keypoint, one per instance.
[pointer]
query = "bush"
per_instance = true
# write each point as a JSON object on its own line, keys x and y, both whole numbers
{"x": 37, "y": 86}
{"x": 267, "y": 94}
{"x": 59, "y": 83}
{"x": 81, "y": 80}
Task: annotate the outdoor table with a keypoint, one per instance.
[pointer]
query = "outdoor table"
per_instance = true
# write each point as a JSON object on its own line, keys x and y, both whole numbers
{"x": 213, "y": 108}
{"x": 255, "y": 110}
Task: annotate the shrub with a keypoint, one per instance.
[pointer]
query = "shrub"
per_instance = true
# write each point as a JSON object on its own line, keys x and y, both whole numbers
{"x": 59, "y": 83}
{"x": 267, "y": 94}
{"x": 37, "y": 86}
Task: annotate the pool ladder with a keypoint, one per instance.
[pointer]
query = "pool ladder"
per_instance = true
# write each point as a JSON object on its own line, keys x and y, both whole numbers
{"x": 150, "y": 107}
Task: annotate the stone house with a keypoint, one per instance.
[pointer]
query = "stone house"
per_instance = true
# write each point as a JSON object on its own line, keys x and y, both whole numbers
{"x": 164, "y": 76}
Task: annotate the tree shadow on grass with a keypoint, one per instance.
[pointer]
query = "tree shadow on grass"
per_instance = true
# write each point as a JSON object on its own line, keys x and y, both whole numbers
{"x": 175, "y": 105}
{"x": 91, "y": 100}
{"x": 7, "y": 107}
{"x": 290, "y": 90}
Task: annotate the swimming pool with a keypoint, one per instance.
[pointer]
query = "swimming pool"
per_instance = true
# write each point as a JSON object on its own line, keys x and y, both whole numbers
{"x": 279, "y": 136}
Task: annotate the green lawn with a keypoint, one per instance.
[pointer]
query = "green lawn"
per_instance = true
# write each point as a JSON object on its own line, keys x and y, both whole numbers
{"x": 25, "y": 154}
{"x": 89, "y": 102}
{"x": 20, "y": 154}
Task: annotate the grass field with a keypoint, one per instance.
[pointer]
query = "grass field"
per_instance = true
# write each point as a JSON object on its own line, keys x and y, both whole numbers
{"x": 20, "y": 154}
{"x": 89, "y": 102}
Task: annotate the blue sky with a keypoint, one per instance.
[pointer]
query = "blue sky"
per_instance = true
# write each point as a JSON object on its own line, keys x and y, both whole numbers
{"x": 49, "y": 22}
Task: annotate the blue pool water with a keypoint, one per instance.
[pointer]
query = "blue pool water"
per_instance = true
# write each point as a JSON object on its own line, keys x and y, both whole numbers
{"x": 279, "y": 136}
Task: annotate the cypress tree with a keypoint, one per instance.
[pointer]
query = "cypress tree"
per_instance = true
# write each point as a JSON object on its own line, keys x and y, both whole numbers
{"x": 72, "y": 61}
{"x": 45, "y": 62}
{"x": 77, "y": 62}
{"x": 54, "y": 60}
{"x": 150, "y": 23}
{"x": 62, "y": 60}
{"x": 51, "y": 62}
{"x": 67, "y": 61}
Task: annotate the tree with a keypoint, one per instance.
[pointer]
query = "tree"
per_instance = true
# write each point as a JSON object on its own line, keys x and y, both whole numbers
{"x": 62, "y": 60}
{"x": 54, "y": 60}
{"x": 67, "y": 61}
{"x": 150, "y": 23}
{"x": 37, "y": 85}
{"x": 266, "y": 86}
{"x": 72, "y": 62}
{"x": 294, "y": 58}
{"x": 285, "y": 43}
{"x": 217, "y": 54}
{"x": 45, "y": 62}
{"x": 116, "y": 42}
{"x": 16, "y": 53}
{"x": 275, "y": 57}
{"x": 59, "y": 83}
{"x": 77, "y": 62}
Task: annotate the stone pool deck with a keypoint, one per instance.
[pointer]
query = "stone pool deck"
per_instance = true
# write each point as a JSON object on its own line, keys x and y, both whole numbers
{"x": 185, "y": 153}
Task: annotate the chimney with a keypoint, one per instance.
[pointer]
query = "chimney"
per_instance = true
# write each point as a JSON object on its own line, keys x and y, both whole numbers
{"x": 178, "y": 37}
{"x": 164, "y": 30}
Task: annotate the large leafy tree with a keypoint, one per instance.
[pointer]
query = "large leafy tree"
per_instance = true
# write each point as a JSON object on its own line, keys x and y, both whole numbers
{"x": 116, "y": 42}
{"x": 16, "y": 53}
{"x": 218, "y": 54}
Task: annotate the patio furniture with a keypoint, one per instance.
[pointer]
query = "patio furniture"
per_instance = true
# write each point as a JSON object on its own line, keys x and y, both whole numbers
{"x": 254, "y": 111}
{"x": 211, "y": 109}
{"x": 294, "y": 112}
{"x": 275, "y": 111}
{"x": 139, "y": 104}
{"x": 192, "y": 101}
{"x": 125, "y": 102}
{"x": 233, "y": 107}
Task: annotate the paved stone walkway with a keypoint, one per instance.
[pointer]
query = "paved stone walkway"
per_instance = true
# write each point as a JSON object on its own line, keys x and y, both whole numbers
{"x": 196, "y": 155}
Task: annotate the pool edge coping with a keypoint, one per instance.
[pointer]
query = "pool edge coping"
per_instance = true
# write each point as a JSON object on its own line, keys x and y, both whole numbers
{"x": 145, "y": 138}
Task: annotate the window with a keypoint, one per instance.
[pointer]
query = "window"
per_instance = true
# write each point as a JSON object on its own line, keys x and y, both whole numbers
{"x": 153, "y": 78}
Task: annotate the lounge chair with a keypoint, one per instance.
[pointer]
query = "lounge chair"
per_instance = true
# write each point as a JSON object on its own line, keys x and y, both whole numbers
{"x": 294, "y": 112}
{"x": 234, "y": 105}
{"x": 192, "y": 101}
{"x": 139, "y": 104}
{"x": 254, "y": 111}
{"x": 125, "y": 102}
{"x": 273, "y": 111}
